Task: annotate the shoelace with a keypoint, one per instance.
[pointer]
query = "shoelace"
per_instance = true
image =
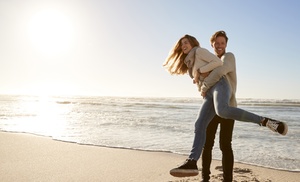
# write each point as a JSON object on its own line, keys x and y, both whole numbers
{"x": 273, "y": 125}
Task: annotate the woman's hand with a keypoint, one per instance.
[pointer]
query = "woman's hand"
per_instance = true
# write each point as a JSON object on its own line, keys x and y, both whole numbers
{"x": 203, "y": 94}
{"x": 196, "y": 77}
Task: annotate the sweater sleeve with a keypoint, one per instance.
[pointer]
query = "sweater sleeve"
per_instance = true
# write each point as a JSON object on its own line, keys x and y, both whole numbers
{"x": 212, "y": 60}
{"x": 228, "y": 66}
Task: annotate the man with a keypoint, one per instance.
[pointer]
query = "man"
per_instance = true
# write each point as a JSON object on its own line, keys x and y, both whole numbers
{"x": 219, "y": 43}
{"x": 218, "y": 90}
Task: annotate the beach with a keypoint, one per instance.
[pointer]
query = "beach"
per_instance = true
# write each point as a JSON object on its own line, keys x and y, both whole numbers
{"x": 152, "y": 124}
{"x": 28, "y": 157}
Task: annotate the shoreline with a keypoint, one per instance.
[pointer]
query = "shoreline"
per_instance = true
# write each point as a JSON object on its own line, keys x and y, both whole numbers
{"x": 31, "y": 157}
{"x": 142, "y": 150}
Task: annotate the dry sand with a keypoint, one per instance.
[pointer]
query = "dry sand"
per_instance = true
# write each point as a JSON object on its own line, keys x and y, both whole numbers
{"x": 26, "y": 157}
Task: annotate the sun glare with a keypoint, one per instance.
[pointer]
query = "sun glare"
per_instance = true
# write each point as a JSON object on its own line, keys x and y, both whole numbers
{"x": 47, "y": 118}
{"x": 50, "y": 31}
{"x": 51, "y": 89}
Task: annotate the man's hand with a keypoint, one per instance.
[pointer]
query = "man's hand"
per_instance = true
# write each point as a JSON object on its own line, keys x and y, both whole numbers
{"x": 204, "y": 75}
{"x": 197, "y": 76}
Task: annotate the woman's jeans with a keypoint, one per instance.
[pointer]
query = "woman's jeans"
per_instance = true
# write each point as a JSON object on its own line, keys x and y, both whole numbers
{"x": 216, "y": 102}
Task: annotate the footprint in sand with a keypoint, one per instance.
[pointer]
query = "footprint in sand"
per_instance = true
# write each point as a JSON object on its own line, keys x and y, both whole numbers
{"x": 241, "y": 170}
{"x": 239, "y": 175}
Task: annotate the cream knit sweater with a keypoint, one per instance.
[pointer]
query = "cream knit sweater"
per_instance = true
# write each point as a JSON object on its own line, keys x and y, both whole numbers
{"x": 228, "y": 70}
{"x": 203, "y": 60}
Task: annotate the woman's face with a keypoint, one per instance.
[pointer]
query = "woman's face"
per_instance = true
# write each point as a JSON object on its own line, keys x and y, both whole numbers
{"x": 185, "y": 46}
{"x": 220, "y": 46}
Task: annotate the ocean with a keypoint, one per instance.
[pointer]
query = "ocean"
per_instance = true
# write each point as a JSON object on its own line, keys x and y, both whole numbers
{"x": 153, "y": 124}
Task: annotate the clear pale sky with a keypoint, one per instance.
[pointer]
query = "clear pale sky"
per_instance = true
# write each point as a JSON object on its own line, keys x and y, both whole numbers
{"x": 117, "y": 47}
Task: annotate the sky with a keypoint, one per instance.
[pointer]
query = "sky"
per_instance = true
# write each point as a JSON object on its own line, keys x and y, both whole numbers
{"x": 117, "y": 47}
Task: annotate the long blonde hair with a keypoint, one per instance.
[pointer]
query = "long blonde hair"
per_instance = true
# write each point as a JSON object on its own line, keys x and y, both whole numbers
{"x": 175, "y": 61}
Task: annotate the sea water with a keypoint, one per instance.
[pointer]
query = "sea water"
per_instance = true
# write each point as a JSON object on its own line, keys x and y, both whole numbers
{"x": 153, "y": 124}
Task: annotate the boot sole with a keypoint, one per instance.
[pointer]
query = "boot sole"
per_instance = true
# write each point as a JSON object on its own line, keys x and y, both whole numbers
{"x": 285, "y": 129}
{"x": 184, "y": 173}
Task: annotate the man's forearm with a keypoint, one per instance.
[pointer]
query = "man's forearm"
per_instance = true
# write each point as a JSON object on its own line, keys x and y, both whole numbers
{"x": 217, "y": 73}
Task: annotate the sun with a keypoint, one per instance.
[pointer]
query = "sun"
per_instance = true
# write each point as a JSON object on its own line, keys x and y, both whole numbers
{"x": 50, "y": 31}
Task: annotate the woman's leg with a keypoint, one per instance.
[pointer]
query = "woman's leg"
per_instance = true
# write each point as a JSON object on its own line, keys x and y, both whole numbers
{"x": 206, "y": 114}
{"x": 221, "y": 95}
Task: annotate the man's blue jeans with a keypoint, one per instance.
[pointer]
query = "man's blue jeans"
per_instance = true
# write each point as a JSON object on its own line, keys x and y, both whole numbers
{"x": 216, "y": 102}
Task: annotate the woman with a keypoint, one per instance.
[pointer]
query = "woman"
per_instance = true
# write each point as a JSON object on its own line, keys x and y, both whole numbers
{"x": 189, "y": 57}
{"x": 217, "y": 96}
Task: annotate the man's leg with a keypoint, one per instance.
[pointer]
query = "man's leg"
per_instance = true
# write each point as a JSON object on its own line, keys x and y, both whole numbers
{"x": 207, "y": 149}
{"x": 226, "y": 129}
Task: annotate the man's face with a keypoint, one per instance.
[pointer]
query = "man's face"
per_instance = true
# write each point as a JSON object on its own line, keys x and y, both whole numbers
{"x": 219, "y": 46}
